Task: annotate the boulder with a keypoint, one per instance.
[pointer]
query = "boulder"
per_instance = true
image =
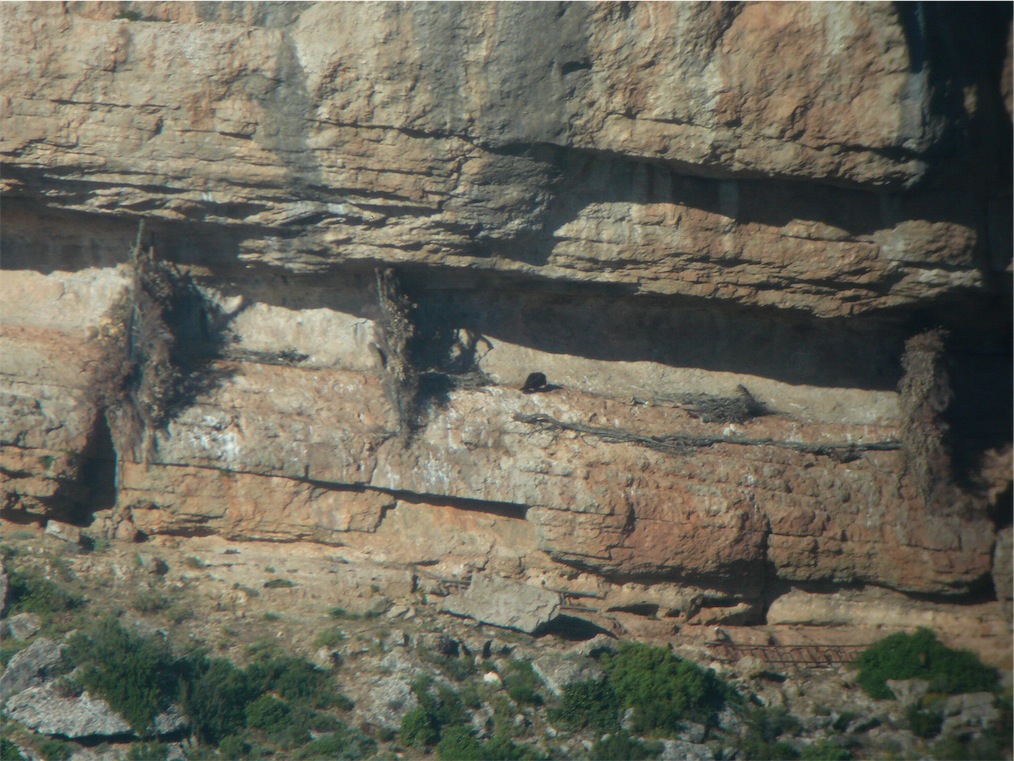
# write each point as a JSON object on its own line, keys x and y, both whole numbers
{"x": 32, "y": 667}
{"x": 677, "y": 750}
{"x": 505, "y": 603}
{"x": 557, "y": 671}
{"x": 46, "y": 711}
{"x": 64, "y": 531}
{"x": 386, "y": 701}
{"x": 21, "y": 626}
{"x": 975, "y": 710}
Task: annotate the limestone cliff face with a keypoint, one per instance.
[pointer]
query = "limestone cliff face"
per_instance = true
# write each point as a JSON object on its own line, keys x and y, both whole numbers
{"x": 713, "y": 227}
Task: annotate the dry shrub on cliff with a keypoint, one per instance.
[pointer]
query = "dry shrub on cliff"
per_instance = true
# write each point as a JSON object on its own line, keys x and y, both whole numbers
{"x": 145, "y": 375}
{"x": 394, "y": 334}
{"x": 925, "y": 393}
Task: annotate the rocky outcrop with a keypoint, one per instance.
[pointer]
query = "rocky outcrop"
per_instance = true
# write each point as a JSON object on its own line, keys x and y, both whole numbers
{"x": 666, "y": 209}
{"x": 46, "y": 711}
{"x": 32, "y": 667}
{"x": 505, "y": 603}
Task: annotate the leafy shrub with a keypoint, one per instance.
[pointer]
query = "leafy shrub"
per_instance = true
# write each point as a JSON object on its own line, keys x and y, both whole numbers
{"x": 458, "y": 669}
{"x": 278, "y": 583}
{"x": 924, "y": 723}
{"x": 330, "y": 637}
{"x": 52, "y": 749}
{"x": 147, "y": 751}
{"x": 458, "y": 744}
{"x": 419, "y": 728}
{"x": 592, "y": 703}
{"x": 663, "y": 688}
{"x": 9, "y": 751}
{"x": 150, "y": 601}
{"x": 764, "y": 728}
{"x": 295, "y": 679}
{"x": 233, "y": 747}
{"x": 9, "y": 649}
{"x": 825, "y": 750}
{"x": 344, "y": 745}
{"x": 521, "y": 682}
{"x": 845, "y": 718}
{"x": 215, "y": 698}
{"x": 268, "y": 714}
{"x": 31, "y": 593}
{"x": 137, "y": 675}
{"x": 922, "y": 656}
{"x": 967, "y": 748}
{"x": 502, "y": 748}
{"x": 471, "y": 697}
{"x": 446, "y": 706}
{"x": 620, "y": 746}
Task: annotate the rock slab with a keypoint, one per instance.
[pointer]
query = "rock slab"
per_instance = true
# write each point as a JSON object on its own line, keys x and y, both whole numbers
{"x": 505, "y": 603}
{"x": 32, "y": 667}
{"x": 46, "y": 711}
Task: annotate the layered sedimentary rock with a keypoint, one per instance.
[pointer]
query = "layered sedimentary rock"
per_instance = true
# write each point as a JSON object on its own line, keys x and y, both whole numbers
{"x": 663, "y": 207}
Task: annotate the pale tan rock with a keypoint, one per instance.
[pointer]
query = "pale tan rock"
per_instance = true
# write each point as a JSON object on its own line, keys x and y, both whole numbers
{"x": 505, "y": 603}
{"x": 64, "y": 531}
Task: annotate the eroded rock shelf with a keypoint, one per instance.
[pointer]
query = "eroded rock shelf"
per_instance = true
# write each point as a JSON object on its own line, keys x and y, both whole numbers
{"x": 648, "y": 203}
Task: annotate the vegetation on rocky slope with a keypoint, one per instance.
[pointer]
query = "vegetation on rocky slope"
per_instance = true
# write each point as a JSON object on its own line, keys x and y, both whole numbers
{"x": 244, "y": 696}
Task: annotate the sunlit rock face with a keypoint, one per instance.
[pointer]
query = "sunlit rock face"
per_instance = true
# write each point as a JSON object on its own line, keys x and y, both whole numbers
{"x": 713, "y": 227}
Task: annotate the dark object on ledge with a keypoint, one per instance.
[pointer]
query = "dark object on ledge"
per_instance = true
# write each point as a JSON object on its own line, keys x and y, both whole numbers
{"x": 535, "y": 382}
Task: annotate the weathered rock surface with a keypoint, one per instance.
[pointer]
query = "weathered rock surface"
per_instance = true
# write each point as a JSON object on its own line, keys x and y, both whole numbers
{"x": 557, "y": 671}
{"x": 32, "y": 667}
{"x": 648, "y": 203}
{"x": 46, "y": 711}
{"x": 4, "y": 585}
{"x": 505, "y": 603}
{"x": 22, "y": 626}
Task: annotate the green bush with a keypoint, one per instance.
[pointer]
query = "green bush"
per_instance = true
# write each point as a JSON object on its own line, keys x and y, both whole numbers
{"x": 52, "y": 749}
{"x": 150, "y": 601}
{"x": 419, "y": 728}
{"x": 233, "y": 747}
{"x": 344, "y": 745}
{"x": 521, "y": 682}
{"x": 620, "y": 746}
{"x": 31, "y": 593}
{"x": 446, "y": 706}
{"x": 764, "y": 728}
{"x": 279, "y": 584}
{"x": 968, "y": 748}
{"x": 825, "y": 750}
{"x": 268, "y": 714}
{"x": 502, "y": 748}
{"x": 147, "y": 751}
{"x": 924, "y": 723}
{"x": 9, "y": 751}
{"x": 215, "y": 698}
{"x": 330, "y": 637}
{"x": 138, "y": 676}
{"x": 457, "y": 668}
{"x": 922, "y": 656}
{"x": 592, "y": 703}
{"x": 664, "y": 689}
{"x": 9, "y": 649}
{"x": 295, "y": 679}
{"x": 458, "y": 744}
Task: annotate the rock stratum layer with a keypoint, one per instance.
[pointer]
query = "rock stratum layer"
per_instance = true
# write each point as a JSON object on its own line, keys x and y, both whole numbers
{"x": 722, "y": 231}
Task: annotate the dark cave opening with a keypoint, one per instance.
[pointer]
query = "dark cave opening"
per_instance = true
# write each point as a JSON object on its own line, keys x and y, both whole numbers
{"x": 96, "y": 476}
